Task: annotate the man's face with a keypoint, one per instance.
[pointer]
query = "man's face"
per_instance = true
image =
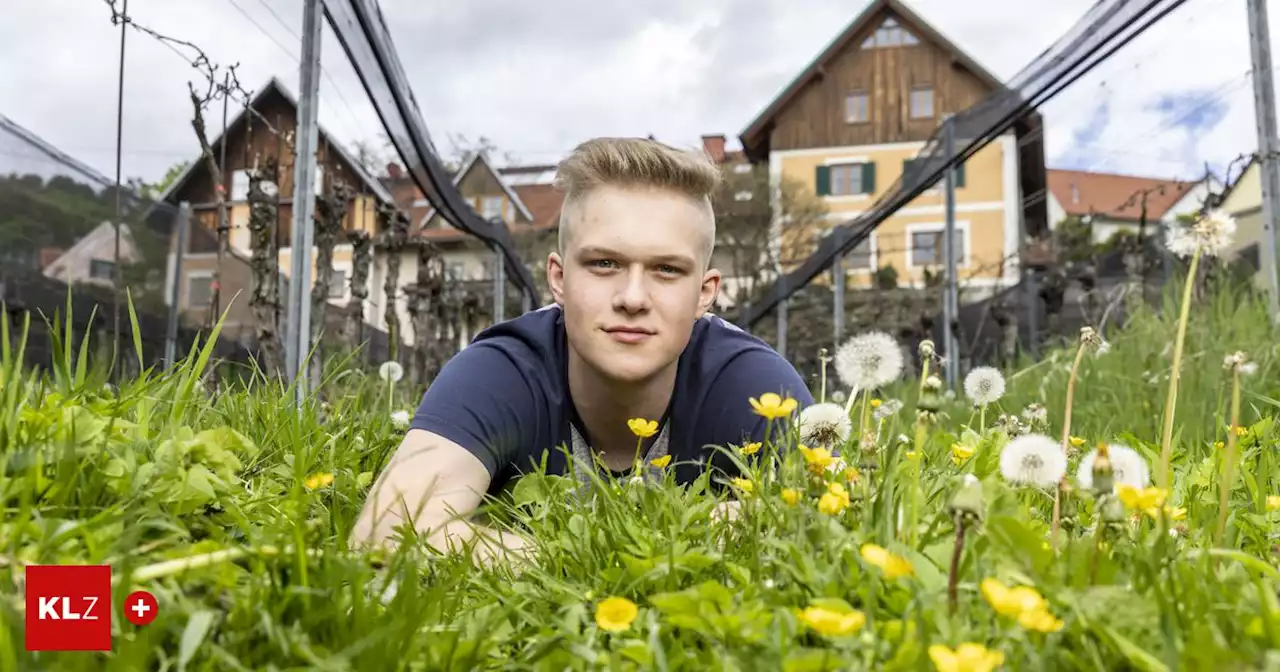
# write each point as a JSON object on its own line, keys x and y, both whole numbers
{"x": 631, "y": 280}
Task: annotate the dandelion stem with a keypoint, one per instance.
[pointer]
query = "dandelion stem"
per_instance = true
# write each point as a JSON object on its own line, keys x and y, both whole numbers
{"x": 953, "y": 578}
{"x": 913, "y": 520}
{"x": 1229, "y": 463}
{"x": 982, "y": 420}
{"x": 1166, "y": 439}
{"x": 1097, "y": 544}
{"x": 1066, "y": 437}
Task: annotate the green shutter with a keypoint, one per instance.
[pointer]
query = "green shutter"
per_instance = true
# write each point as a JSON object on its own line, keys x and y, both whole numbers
{"x": 868, "y": 178}
{"x": 822, "y": 180}
{"x": 960, "y": 176}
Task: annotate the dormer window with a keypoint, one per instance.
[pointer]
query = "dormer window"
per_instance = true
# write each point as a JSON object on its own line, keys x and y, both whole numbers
{"x": 890, "y": 34}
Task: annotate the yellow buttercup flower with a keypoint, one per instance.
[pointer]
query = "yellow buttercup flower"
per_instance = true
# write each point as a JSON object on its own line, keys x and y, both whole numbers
{"x": 1076, "y": 441}
{"x": 791, "y": 496}
{"x": 960, "y": 453}
{"x": 1142, "y": 499}
{"x": 1239, "y": 431}
{"x": 832, "y": 503}
{"x": 1040, "y": 620}
{"x": 318, "y": 481}
{"x": 967, "y": 657}
{"x": 832, "y": 623}
{"x": 1273, "y": 502}
{"x": 744, "y": 484}
{"x": 851, "y": 475}
{"x": 661, "y": 462}
{"x": 818, "y": 459}
{"x": 1219, "y": 445}
{"x": 643, "y": 428}
{"x": 772, "y": 406}
{"x": 751, "y": 448}
{"x": 893, "y": 566}
{"x": 615, "y": 614}
{"x": 1011, "y": 601}
{"x": 875, "y": 403}
{"x": 837, "y": 489}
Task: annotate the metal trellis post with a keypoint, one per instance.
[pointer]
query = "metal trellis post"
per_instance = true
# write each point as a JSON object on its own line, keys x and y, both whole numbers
{"x": 298, "y": 328}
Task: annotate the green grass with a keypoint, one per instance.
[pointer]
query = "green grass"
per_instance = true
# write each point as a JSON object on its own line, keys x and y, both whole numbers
{"x": 163, "y": 469}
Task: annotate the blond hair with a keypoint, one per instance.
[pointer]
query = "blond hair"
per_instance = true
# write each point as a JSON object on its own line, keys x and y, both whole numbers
{"x": 634, "y": 162}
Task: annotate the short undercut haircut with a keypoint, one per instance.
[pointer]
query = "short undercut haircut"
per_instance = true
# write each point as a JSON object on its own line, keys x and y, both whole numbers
{"x": 634, "y": 162}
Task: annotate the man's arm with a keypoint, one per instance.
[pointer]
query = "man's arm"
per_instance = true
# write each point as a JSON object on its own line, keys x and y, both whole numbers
{"x": 469, "y": 426}
{"x": 437, "y": 485}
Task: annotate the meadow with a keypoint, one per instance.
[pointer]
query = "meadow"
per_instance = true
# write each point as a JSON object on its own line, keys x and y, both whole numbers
{"x": 1053, "y": 516}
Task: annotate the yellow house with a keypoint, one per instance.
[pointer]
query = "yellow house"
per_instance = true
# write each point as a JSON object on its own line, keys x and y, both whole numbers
{"x": 1243, "y": 200}
{"x": 853, "y": 121}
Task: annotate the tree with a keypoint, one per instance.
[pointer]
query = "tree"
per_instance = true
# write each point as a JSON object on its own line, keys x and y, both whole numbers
{"x": 750, "y": 244}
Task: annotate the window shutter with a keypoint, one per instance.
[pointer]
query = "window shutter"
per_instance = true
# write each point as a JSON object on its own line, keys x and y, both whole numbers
{"x": 960, "y": 176}
{"x": 822, "y": 180}
{"x": 868, "y": 178}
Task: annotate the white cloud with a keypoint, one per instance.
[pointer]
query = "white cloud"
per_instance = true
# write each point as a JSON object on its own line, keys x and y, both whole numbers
{"x": 537, "y": 78}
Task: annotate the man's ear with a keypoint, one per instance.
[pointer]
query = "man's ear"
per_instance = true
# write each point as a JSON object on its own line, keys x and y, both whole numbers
{"x": 555, "y": 277}
{"x": 710, "y": 290}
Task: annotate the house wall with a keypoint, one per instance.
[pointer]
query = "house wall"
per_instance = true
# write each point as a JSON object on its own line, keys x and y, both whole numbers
{"x": 987, "y": 207}
{"x": 76, "y": 264}
{"x": 1245, "y": 204}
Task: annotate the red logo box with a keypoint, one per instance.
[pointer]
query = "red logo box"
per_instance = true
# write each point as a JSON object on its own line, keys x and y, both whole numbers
{"x": 68, "y": 607}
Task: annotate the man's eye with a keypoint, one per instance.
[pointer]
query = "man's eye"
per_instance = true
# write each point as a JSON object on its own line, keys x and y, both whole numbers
{"x": 668, "y": 270}
{"x": 603, "y": 263}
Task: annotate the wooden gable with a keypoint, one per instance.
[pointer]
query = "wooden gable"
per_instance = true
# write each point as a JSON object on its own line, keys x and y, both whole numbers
{"x": 477, "y": 181}
{"x": 860, "y": 90}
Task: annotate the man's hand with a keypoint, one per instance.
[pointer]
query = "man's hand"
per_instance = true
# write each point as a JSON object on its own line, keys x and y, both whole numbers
{"x": 438, "y": 485}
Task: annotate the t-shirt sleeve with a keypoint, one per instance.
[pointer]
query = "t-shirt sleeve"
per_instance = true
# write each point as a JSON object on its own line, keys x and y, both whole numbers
{"x": 481, "y": 401}
{"x": 750, "y": 374}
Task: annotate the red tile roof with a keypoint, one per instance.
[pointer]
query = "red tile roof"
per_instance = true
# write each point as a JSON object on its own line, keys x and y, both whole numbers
{"x": 1116, "y": 196}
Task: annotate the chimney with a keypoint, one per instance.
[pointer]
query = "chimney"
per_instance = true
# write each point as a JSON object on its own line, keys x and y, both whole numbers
{"x": 713, "y": 145}
{"x": 393, "y": 170}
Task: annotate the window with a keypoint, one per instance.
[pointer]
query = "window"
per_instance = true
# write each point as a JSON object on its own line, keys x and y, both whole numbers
{"x": 491, "y": 207}
{"x": 338, "y": 284}
{"x": 453, "y": 270}
{"x": 890, "y": 34}
{"x": 914, "y": 173}
{"x": 860, "y": 257}
{"x": 926, "y": 247}
{"x": 855, "y": 108}
{"x": 102, "y": 269}
{"x": 199, "y": 290}
{"x": 846, "y": 179}
{"x": 921, "y": 103}
{"x": 240, "y": 185}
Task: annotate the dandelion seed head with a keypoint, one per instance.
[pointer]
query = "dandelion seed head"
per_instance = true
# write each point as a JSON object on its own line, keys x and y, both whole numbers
{"x": 1212, "y": 234}
{"x": 984, "y": 385}
{"x": 824, "y": 424}
{"x": 887, "y": 409}
{"x": 391, "y": 371}
{"x": 1033, "y": 459}
{"x": 400, "y": 419}
{"x": 1127, "y": 468}
{"x": 869, "y": 360}
{"x": 1036, "y": 413}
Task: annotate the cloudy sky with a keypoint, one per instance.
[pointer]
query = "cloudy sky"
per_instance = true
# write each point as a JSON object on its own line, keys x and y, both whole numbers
{"x": 538, "y": 77}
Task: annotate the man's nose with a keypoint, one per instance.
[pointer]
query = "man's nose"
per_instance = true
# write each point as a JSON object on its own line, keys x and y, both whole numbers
{"x": 633, "y": 295}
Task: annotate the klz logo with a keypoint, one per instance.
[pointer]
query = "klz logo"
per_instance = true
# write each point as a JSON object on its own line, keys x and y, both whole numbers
{"x": 68, "y": 608}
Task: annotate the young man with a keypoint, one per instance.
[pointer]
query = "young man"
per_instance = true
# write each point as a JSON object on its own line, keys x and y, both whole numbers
{"x": 627, "y": 337}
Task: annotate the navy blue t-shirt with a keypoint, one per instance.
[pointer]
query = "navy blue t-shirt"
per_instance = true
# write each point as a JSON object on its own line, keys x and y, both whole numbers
{"x": 505, "y": 398}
